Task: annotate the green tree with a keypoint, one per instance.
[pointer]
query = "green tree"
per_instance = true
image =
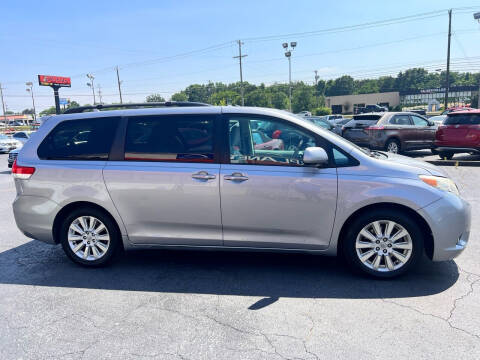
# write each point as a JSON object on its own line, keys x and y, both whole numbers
{"x": 278, "y": 100}
{"x": 257, "y": 97}
{"x": 341, "y": 86}
{"x": 180, "y": 96}
{"x": 27, "y": 112}
{"x": 51, "y": 110}
{"x": 226, "y": 97}
{"x": 303, "y": 98}
{"x": 155, "y": 98}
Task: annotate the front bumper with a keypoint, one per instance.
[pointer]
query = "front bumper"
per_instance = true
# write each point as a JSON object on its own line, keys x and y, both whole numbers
{"x": 449, "y": 219}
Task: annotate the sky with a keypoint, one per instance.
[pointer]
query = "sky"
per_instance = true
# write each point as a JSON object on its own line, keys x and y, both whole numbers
{"x": 163, "y": 46}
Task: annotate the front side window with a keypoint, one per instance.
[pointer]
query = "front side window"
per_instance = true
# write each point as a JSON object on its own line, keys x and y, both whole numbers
{"x": 84, "y": 139}
{"x": 185, "y": 138}
{"x": 418, "y": 121}
{"x": 267, "y": 142}
{"x": 400, "y": 120}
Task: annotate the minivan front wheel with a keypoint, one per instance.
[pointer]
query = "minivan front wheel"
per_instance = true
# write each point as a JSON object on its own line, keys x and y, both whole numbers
{"x": 383, "y": 244}
{"x": 89, "y": 237}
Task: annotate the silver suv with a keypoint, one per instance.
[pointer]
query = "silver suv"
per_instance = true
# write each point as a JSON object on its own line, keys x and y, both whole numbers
{"x": 234, "y": 178}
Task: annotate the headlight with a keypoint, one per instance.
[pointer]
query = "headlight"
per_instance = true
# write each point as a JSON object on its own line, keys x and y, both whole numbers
{"x": 441, "y": 183}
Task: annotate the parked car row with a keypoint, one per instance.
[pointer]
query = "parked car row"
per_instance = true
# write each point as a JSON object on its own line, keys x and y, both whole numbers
{"x": 457, "y": 131}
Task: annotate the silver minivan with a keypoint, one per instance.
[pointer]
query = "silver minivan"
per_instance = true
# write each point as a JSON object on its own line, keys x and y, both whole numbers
{"x": 183, "y": 175}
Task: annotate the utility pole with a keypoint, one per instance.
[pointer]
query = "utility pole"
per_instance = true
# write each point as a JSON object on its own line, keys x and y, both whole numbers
{"x": 119, "y": 87}
{"x": 100, "y": 93}
{"x": 448, "y": 57}
{"x": 3, "y": 106}
{"x": 30, "y": 90}
{"x": 316, "y": 85}
{"x": 239, "y": 57}
{"x": 288, "y": 54}
{"x": 91, "y": 84}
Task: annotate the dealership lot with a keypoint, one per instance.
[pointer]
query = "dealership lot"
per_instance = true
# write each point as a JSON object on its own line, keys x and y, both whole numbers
{"x": 214, "y": 305}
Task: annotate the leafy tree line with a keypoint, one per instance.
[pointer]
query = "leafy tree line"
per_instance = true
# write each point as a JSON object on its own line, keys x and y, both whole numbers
{"x": 309, "y": 97}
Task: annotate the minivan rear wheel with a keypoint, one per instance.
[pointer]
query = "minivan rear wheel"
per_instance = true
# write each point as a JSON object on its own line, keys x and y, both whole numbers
{"x": 89, "y": 237}
{"x": 383, "y": 244}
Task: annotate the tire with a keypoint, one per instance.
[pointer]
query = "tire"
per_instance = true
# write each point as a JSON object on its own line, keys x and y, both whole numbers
{"x": 355, "y": 245}
{"x": 393, "y": 146}
{"x": 100, "y": 251}
{"x": 446, "y": 155}
{"x": 434, "y": 151}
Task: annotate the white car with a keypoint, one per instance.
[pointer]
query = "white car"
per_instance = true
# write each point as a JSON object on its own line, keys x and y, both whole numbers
{"x": 438, "y": 120}
{"x": 7, "y": 144}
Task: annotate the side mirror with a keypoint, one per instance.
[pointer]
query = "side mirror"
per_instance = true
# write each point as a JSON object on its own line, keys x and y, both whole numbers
{"x": 315, "y": 156}
{"x": 431, "y": 123}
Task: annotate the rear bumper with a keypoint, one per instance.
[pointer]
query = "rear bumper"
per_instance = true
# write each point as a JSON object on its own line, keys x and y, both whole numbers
{"x": 449, "y": 219}
{"x": 457, "y": 149}
{"x": 34, "y": 216}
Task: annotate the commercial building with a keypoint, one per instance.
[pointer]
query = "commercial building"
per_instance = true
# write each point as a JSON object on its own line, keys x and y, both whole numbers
{"x": 345, "y": 104}
{"x": 430, "y": 99}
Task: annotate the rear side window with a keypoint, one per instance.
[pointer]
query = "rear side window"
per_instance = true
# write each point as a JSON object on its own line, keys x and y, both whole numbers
{"x": 186, "y": 138}
{"x": 85, "y": 139}
{"x": 400, "y": 120}
{"x": 464, "y": 119}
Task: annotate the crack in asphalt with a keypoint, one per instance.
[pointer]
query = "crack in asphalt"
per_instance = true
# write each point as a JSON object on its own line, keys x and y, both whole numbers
{"x": 448, "y": 320}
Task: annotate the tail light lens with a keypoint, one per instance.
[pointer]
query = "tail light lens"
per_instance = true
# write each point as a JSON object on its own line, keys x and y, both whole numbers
{"x": 22, "y": 172}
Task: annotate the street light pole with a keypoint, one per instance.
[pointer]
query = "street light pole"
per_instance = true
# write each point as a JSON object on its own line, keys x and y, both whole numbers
{"x": 316, "y": 85}
{"x": 30, "y": 90}
{"x": 476, "y": 16}
{"x": 448, "y": 57}
{"x": 3, "y": 106}
{"x": 91, "y": 84}
{"x": 288, "y": 54}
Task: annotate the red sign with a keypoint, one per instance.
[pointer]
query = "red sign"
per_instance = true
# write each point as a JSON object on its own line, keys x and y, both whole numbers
{"x": 48, "y": 80}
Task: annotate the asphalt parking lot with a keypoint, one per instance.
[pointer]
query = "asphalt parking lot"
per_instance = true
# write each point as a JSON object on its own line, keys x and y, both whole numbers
{"x": 205, "y": 305}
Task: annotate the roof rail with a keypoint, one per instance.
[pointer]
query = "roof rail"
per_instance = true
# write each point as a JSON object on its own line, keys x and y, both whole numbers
{"x": 99, "y": 107}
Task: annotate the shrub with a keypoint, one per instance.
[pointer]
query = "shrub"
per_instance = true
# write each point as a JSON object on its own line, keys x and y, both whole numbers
{"x": 322, "y": 111}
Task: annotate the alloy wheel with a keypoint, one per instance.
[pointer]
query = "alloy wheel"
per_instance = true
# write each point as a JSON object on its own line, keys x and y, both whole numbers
{"x": 392, "y": 147}
{"x": 88, "y": 238}
{"x": 384, "y": 246}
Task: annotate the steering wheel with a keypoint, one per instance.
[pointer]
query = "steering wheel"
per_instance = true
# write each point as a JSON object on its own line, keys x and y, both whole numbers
{"x": 297, "y": 150}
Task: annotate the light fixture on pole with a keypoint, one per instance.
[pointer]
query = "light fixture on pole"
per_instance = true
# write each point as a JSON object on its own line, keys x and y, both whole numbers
{"x": 288, "y": 54}
{"x": 92, "y": 86}
{"x": 30, "y": 90}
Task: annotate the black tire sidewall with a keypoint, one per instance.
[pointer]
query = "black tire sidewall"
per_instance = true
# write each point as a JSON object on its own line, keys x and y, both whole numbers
{"x": 416, "y": 234}
{"x": 109, "y": 224}
{"x": 446, "y": 155}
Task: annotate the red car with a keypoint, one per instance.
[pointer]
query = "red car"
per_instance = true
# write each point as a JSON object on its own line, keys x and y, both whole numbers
{"x": 460, "y": 133}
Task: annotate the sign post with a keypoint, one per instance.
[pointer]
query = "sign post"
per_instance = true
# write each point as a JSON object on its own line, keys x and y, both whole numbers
{"x": 55, "y": 82}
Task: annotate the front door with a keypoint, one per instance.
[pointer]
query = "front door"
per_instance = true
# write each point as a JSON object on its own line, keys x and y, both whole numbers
{"x": 270, "y": 199}
{"x": 425, "y": 133}
{"x": 167, "y": 188}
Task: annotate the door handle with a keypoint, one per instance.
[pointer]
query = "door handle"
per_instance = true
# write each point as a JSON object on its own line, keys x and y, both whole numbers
{"x": 203, "y": 175}
{"x": 236, "y": 176}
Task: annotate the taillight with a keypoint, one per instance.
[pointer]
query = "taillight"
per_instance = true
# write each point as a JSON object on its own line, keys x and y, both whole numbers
{"x": 22, "y": 172}
{"x": 374, "y": 127}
